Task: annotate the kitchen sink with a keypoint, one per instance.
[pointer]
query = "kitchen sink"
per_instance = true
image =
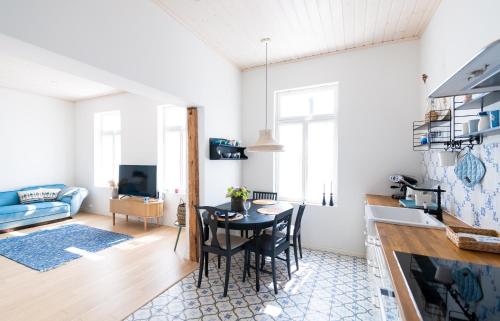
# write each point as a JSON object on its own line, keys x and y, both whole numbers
{"x": 402, "y": 216}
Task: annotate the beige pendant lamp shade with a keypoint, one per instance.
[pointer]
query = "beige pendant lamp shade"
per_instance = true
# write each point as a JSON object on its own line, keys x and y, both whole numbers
{"x": 266, "y": 141}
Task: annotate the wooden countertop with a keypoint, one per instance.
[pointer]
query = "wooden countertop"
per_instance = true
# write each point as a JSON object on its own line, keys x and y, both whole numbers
{"x": 424, "y": 241}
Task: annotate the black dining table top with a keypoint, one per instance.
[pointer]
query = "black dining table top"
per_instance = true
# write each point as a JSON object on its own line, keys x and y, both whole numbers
{"x": 255, "y": 220}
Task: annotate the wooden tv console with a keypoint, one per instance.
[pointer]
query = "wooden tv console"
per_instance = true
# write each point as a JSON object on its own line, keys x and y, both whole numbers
{"x": 136, "y": 206}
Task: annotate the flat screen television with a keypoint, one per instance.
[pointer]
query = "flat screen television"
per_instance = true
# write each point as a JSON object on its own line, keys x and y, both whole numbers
{"x": 137, "y": 180}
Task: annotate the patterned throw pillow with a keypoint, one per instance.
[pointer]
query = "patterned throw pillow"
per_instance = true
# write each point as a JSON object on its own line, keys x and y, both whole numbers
{"x": 38, "y": 195}
{"x": 50, "y": 194}
{"x": 32, "y": 196}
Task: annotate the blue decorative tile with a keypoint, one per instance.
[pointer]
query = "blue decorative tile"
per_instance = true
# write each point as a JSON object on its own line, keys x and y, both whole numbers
{"x": 328, "y": 286}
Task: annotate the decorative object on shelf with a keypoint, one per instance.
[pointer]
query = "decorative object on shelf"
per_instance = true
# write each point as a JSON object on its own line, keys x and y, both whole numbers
{"x": 181, "y": 212}
{"x": 470, "y": 170}
{"x": 484, "y": 120}
{"x": 494, "y": 118}
{"x": 323, "y": 202}
{"x": 424, "y": 140}
{"x": 223, "y": 149}
{"x": 331, "y": 194}
{"x": 266, "y": 141}
{"x": 424, "y": 78}
{"x": 238, "y": 196}
{"x": 114, "y": 189}
{"x": 447, "y": 158}
{"x": 473, "y": 125}
{"x": 465, "y": 129}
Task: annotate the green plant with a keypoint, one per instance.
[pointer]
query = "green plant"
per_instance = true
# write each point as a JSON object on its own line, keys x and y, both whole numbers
{"x": 239, "y": 192}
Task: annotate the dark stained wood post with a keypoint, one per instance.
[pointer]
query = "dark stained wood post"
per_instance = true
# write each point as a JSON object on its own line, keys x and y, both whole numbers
{"x": 193, "y": 184}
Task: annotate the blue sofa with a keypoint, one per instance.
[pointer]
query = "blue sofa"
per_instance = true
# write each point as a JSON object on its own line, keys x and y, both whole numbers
{"x": 13, "y": 214}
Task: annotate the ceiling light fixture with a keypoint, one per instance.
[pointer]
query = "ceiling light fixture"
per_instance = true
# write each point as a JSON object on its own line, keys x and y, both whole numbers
{"x": 266, "y": 141}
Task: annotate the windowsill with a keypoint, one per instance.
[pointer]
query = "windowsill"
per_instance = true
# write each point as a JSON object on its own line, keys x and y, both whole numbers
{"x": 309, "y": 204}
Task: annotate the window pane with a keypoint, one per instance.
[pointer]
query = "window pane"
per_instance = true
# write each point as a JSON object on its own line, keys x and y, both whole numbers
{"x": 110, "y": 121}
{"x": 107, "y": 147}
{"x": 321, "y": 160}
{"x": 293, "y": 104}
{"x": 290, "y": 161}
{"x": 173, "y": 160}
{"x": 323, "y": 100}
{"x": 175, "y": 116}
{"x": 107, "y": 162}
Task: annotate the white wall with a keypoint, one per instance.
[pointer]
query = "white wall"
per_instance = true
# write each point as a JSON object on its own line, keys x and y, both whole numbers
{"x": 139, "y": 144}
{"x": 137, "y": 41}
{"x": 37, "y": 140}
{"x": 378, "y": 100}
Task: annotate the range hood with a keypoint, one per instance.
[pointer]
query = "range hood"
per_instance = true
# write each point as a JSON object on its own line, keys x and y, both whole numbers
{"x": 480, "y": 75}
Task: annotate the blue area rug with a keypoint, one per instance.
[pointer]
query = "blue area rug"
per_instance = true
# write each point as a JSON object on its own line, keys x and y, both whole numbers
{"x": 47, "y": 249}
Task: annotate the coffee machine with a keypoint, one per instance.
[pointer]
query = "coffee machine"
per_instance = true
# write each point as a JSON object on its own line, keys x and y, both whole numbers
{"x": 398, "y": 185}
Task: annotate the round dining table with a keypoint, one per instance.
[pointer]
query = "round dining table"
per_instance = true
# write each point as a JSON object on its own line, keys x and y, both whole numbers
{"x": 254, "y": 221}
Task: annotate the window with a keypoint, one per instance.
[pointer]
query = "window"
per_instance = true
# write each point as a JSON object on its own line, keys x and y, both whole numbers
{"x": 307, "y": 127}
{"x": 172, "y": 147}
{"x": 107, "y": 147}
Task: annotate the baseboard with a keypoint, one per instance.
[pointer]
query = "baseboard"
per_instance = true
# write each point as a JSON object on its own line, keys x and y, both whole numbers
{"x": 335, "y": 250}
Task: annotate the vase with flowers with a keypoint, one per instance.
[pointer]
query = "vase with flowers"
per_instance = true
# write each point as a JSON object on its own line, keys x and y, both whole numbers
{"x": 238, "y": 197}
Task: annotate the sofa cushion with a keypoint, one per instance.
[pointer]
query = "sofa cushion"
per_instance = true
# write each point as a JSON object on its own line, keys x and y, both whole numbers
{"x": 9, "y": 198}
{"x": 26, "y": 211}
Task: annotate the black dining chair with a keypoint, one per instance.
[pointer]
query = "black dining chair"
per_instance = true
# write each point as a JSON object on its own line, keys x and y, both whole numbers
{"x": 264, "y": 195}
{"x": 272, "y": 246}
{"x": 295, "y": 232}
{"x": 211, "y": 241}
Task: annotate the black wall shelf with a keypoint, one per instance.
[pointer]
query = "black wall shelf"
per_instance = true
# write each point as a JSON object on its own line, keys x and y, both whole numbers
{"x": 222, "y": 151}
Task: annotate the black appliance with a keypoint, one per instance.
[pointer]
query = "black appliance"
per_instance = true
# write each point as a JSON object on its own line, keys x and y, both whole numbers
{"x": 448, "y": 290}
{"x": 137, "y": 180}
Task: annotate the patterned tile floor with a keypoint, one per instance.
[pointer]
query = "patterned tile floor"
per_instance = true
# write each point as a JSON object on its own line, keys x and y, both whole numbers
{"x": 327, "y": 286}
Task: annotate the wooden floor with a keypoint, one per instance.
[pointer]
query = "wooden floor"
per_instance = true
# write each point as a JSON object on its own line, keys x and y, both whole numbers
{"x": 107, "y": 285}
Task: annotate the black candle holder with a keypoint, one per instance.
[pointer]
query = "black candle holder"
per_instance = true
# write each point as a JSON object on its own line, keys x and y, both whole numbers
{"x": 331, "y": 199}
{"x": 324, "y": 200}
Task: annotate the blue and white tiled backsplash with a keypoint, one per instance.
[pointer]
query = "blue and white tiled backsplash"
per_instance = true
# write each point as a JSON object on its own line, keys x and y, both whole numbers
{"x": 476, "y": 206}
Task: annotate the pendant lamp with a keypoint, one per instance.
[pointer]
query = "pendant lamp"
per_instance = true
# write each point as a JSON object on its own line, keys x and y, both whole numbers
{"x": 266, "y": 141}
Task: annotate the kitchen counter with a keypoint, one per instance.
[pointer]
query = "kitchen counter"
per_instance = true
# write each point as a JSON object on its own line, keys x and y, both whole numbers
{"x": 424, "y": 241}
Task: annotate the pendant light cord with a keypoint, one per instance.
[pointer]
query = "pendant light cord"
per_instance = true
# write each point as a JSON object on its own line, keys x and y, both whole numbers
{"x": 266, "y": 82}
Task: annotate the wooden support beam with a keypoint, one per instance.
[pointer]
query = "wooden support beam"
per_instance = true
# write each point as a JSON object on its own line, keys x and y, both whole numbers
{"x": 193, "y": 178}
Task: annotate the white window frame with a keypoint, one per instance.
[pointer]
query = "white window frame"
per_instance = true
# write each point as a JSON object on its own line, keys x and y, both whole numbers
{"x": 99, "y": 135}
{"x": 305, "y": 121}
{"x": 164, "y": 129}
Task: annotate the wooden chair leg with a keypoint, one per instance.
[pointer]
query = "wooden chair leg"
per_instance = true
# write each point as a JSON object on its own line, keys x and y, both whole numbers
{"x": 206, "y": 264}
{"x": 295, "y": 255}
{"x": 218, "y": 261}
{"x": 288, "y": 263}
{"x": 178, "y": 235}
{"x": 273, "y": 267}
{"x": 300, "y": 246}
{"x": 262, "y": 262}
{"x": 241, "y": 233}
{"x": 200, "y": 274}
{"x": 228, "y": 270}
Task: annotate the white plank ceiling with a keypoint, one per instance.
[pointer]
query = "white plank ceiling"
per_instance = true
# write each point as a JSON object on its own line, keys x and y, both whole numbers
{"x": 298, "y": 28}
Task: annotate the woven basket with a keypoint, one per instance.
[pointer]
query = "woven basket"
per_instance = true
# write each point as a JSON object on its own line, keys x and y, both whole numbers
{"x": 181, "y": 213}
{"x": 468, "y": 243}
